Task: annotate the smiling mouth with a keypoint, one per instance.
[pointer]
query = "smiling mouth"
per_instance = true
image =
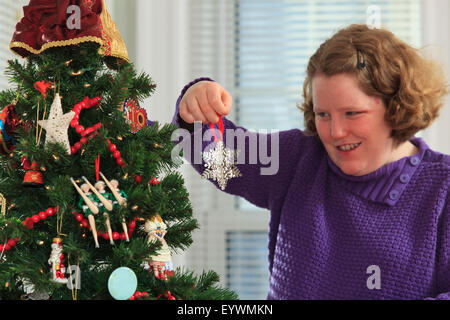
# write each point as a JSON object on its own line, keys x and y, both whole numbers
{"x": 348, "y": 147}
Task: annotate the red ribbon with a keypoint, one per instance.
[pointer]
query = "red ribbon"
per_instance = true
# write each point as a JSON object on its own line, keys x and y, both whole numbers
{"x": 97, "y": 167}
{"x": 220, "y": 129}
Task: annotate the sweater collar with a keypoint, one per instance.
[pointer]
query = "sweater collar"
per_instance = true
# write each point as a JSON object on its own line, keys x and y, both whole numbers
{"x": 386, "y": 184}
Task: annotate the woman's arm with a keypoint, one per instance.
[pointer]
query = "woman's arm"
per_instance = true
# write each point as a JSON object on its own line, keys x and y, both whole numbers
{"x": 266, "y": 161}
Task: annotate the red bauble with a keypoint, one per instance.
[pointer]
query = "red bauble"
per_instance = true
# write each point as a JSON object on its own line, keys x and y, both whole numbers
{"x": 116, "y": 154}
{"x": 79, "y": 217}
{"x": 138, "y": 179}
{"x": 115, "y": 236}
{"x": 50, "y": 211}
{"x": 35, "y": 218}
{"x": 112, "y": 148}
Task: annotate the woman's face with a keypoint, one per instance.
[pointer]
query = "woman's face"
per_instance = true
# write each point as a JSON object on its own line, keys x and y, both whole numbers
{"x": 351, "y": 124}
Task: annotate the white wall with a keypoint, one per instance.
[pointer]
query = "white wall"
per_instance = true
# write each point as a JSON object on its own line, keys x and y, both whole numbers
{"x": 436, "y": 39}
{"x": 161, "y": 52}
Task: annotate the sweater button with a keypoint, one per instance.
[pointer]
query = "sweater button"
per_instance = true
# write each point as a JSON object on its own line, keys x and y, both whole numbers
{"x": 404, "y": 178}
{"x": 414, "y": 161}
{"x": 393, "y": 195}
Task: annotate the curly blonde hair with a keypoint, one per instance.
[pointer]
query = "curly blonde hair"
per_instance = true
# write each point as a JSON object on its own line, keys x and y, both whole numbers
{"x": 412, "y": 88}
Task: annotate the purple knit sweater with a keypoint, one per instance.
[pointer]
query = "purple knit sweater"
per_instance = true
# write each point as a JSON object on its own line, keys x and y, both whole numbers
{"x": 384, "y": 235}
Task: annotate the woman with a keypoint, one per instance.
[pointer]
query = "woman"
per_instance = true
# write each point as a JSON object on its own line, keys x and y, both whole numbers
{"x": 359, "y": 206}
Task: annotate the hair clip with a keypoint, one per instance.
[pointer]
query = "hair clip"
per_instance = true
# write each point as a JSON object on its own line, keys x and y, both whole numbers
{"x": 361, "y": 60}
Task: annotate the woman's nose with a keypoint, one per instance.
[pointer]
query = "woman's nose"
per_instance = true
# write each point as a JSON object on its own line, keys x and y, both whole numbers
{"x": 338, "y": 128}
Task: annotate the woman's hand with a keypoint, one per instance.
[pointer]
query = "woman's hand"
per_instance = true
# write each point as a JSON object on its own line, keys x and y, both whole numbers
{"x": 204, "y": 102}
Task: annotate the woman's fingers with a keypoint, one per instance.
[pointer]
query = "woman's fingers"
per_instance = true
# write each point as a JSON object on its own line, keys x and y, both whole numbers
{"x": 205, "y": 101}
{"x": 185, "y": 114}
{"x": 207, "y": 109}
{"x": 194, "y": 109}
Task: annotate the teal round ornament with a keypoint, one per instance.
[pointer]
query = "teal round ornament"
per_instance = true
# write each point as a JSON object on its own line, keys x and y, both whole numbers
{"x": 122, "y": 283}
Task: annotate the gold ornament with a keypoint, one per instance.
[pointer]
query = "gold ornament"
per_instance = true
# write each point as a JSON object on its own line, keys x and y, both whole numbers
{"x": 3, "y": 205}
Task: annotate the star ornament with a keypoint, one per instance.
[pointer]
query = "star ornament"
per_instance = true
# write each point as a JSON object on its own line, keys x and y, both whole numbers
{"x": 220, "y": 165}
{"x": 57, "y": 124}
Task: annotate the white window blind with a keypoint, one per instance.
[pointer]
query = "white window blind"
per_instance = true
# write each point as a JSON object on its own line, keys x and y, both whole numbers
{"x": 274, "y": 40}
{"x": 247, "y": 272}
{"x": 9, "y": 12}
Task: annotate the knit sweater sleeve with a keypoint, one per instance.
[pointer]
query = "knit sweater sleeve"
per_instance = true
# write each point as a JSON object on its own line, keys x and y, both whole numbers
{"x": 443, "y": 267}
{"x": 265, "y": 160}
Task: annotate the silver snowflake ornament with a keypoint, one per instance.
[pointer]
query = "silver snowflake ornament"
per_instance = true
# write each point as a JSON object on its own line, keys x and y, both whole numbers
{"x": 220, "y": 165}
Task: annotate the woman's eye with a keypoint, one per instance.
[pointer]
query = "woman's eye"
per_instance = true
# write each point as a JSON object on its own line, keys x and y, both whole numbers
{"x": 321, "y": 114}
{"x": 353, "y": 113}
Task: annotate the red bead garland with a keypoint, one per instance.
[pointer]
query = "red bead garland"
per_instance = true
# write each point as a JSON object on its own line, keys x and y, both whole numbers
{"x": 88, "y": 133}
{"x": 116, "y": 154}
{"x": 116, "y": 235}
{"x": 139, "y": 295}
{"x": 29, "y": 224}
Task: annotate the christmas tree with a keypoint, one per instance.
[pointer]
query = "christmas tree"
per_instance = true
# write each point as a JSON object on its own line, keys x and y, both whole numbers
{"x": 92, "y": 203}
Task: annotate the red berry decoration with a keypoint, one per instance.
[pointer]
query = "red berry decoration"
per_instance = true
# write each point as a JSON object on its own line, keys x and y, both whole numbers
{"x": 12, "y": 242}
{"x": 79, "y": 217}
{"x": 28, "y": 223}
{"x": 35, "y": 218}
{"x": 82, "y": 131}
{"x": 79, "y": 129}
{"x": 85, "y": 223}
{"x": 42, "y": 215}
